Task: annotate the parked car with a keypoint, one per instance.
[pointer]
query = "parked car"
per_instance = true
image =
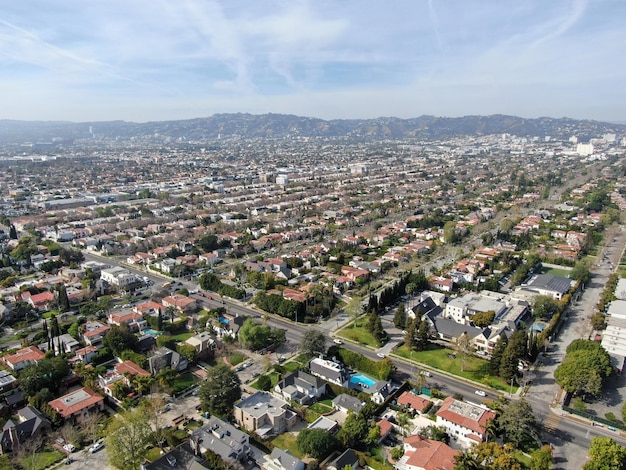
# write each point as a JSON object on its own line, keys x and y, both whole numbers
{"x": 481, "y": 393}
{"x": 96, "y": 447}
{"x": 69, "y": 447}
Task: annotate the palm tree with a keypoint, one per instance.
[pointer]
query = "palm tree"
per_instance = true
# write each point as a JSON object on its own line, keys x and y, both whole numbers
{"x": 466, "y": 461}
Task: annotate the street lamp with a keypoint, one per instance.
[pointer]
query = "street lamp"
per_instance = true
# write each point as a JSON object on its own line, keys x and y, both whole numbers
{"x": 511, "y": 389}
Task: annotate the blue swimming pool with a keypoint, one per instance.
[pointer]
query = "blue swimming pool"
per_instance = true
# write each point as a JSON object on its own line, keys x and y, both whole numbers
{"x": 361, "y": 379}
{"x": 150, "y": 331}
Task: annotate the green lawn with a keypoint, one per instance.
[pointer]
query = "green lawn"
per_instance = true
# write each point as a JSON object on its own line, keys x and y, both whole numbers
{"x": 562, "y": 272}
{"x": 153, "y": 454}
{"x": 287, "y": 441}
{"x": 184, "y": 381}
{"x": 42, "y": 460}
{"x": 181, "y": 336}
{"x": 292, "y": 366}
{"x": 273, "y": 377}
{"x": 235, "y": 358}
{"x": 475, "y": 368}
{"x": 359, "y": 334}
{"x": 321, "y": 407}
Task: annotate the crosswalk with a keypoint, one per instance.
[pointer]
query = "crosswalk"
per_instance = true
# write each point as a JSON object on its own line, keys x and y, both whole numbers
{"x": 551, "y": 423}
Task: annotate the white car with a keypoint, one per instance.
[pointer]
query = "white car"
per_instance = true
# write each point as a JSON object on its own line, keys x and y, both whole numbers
{"x": 69, "y": 447}
{"x": 337, "y": 341}
{"x": 480, "y": 393}
{"x": 96, "y": 447}
{"x": 381, "y": 355}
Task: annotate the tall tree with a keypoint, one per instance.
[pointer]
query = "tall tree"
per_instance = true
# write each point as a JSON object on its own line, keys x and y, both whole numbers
{"x": 464, "y": 347}
{"x": 516, "y": 422}
{"x": 422, "y": 336}
{"x": 127, "y": 439}
{"x": 313, "y": 343}
{"x": 315, "y": 443}
{"x": 496, "y": 356}
{"x": 399, "y": 318}
{"x": 221, "y": 389}
{"x": 62, "y": 299}
{"x": 354, "y": 430}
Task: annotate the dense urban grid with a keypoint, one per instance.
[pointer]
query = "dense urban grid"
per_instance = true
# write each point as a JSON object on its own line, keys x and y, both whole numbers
{"x": 313, "y": 301}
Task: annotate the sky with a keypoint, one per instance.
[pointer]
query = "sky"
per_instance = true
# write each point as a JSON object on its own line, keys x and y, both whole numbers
{"x": 152, "y": 60}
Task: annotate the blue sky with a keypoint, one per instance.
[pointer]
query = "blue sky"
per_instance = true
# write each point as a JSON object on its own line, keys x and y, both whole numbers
{"x": 143, "y": 60}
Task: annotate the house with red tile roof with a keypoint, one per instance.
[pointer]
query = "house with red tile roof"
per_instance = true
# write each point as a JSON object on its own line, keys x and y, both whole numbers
{"x": 93, "y": 332}
{"x": 386, "y": 428}
{"x": 78, "y": 404}
{"x": 181, "y": 303}
{"x": 133, "y": 320}
{"x": 39, "y": 301}
{"x": 415, "y": 402}
{"x": 426, "y": 454}
{"x": 465, "y": 421}
{"x": 24, "y": 357}
{"x": 149, "y": 308}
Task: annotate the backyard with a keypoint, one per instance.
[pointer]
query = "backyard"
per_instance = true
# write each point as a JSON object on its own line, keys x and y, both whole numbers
{"x": 359, "y": 334}
{"x": 184, "y": 381}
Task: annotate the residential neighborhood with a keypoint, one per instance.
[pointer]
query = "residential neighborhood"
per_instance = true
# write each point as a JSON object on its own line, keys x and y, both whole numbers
{"x": 304, "y": 304}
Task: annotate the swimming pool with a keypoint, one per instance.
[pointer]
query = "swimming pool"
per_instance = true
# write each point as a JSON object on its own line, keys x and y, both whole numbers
{"x": 361, "y": 379}
{"x": 151, "y": 332}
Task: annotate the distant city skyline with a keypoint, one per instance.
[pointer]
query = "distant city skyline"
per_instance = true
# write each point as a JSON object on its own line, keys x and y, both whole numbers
{"x": 164, "y": 60}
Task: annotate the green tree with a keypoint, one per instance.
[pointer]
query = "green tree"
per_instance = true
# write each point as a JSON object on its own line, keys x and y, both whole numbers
{"x": 584, "y": 370}
{"x": 373, "y": 434}
{"x": 449, "y": 232}
{"x": 264, "y": 382}
{"x": 119, "y": 339}
{"x": 581, "y": 272}
{"x": 496, "y": 356}
{"x": 315, "y": 443}
{"x": 516, "y": 422}
{"x": 422, "y": 336}
{"x": 483, "y": 319}
{"x": 127, "y": 439}
{"x": 605, "y": 454}
{"x": 399, "y": 318}
{"x": 221, "y": 389}
{"x": 541, "y": 459}
{"x": 466, "y": 461}
{"x": 375, "y": 326}
{"x": 47, "y": 373}
{"x": 255, "y": 336}
{"x": 313, "y": 343}
{"x": 544, "y": 306}
{"x": 354, "y": 308}
{"x": 436, "y": 433}
{"x": 354, "y": 429}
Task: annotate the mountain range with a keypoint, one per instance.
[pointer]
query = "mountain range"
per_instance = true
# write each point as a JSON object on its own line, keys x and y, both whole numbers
{"x": 224, "y": 126}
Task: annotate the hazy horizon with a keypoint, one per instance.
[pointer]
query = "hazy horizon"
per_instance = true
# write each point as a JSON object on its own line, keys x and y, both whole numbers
{"x": 157, "y": 60}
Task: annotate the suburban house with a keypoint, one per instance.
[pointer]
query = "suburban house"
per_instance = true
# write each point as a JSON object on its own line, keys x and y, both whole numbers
{"x": 85, "y": 355}
{"x": 133, "y": 320}
{"x": 264, "y": 414}
{"x": 40, "y": 301}
{"x": 23, "y": 358}
{"x": 203, "y": 342}
{"x": 330, "y": 371}
{"x": 378, "y": 391}
{"x": 64, "y": 343}
{"x": 348, "y": 458}
{"x": 93, "y": 332}
{"x": 282, "y": 460}
{"x": 165, "y": 357}
{"x": 118, "y": 277}
{"x": 464, "y": 421}
{"x": 15, "y": 432}
{"x": 78, "y": 404}
{"x": 426, "y": 454}
{"x": 300, "y": 387}
{"x": 614, "y": 336}
{"x": 546, "y": 284}
{"x": 345, "y": 403}
{"x": 222, "y": 438}
{"x": 122, "y": 372}
{"x": 386, "y": 428}
{"x": 414, "y": 402}
{"x": 149, "y": 308}
{"x": 178, "y": 458}
{"x": 7, "y": 381}
{"x": 181, "y": 303}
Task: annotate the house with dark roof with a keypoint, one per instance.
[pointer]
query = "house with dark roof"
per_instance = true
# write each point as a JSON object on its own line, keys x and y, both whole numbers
{"x": 347, "y": 458}
{"x": 547, "y": 284}
{"x": 222, "y": 438}
{"x": 30, "y": 422}
{"x": 300, "y": 387}
{"x": 281, "y": 459}
{"x": 345, "y": 403}
{"x": 165, "y": 357}
{"x": 330, "y": 371}
{"x": 178, "y": 458}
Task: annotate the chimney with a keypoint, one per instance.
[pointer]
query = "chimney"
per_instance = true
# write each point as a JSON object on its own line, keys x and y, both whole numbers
{"x": 196, "y": 449}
